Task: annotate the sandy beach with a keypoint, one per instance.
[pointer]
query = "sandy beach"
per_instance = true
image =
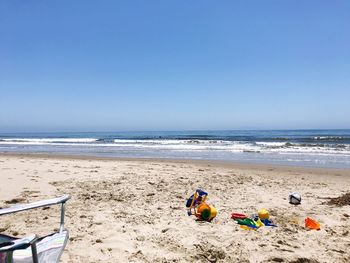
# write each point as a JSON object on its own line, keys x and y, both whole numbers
{"x": 134, "y": 210}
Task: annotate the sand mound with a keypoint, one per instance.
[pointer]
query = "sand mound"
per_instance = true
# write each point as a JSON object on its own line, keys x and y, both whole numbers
{"x": 340, "y": 201}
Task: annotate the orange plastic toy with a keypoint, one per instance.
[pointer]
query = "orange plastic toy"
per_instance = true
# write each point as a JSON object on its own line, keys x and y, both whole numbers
{"x": 312, "y": 224}
{"x": 206, "y": 212}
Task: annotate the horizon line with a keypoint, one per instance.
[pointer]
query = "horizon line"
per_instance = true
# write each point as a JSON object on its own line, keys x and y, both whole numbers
{"x": 185, "y": 130}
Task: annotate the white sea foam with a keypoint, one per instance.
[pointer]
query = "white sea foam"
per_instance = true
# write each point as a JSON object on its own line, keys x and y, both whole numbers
{"x": 328, "y": 137}
{"x": 182, "y": 145}
{"x": 271, "y": 144}
{"x": 175, "y": 141}
{"x": 49, "y": 140}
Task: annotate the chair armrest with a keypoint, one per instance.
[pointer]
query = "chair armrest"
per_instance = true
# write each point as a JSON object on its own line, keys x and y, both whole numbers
{"x": 23, "y": 207}
{"x": 21, "y": 243}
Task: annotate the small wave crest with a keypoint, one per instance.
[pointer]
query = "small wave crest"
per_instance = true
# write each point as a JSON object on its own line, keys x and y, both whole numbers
{"x": 49, "y": 140}
{"x": 185, "y": 145}
{"x": 330, "y": 138}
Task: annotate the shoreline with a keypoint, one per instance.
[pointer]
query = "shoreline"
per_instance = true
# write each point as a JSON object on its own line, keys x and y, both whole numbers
{"x": 307, "y": 148}
{"x": 202, "y": 162}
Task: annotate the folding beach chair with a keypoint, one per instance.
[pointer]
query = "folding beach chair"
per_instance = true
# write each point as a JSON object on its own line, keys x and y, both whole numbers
{"x": 47, "y": 249}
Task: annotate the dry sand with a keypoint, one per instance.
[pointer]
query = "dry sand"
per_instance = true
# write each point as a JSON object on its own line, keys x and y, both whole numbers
{"x": 134, "y": 210}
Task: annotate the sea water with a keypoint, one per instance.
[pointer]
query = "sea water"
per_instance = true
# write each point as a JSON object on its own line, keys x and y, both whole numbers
{"x": 316, "y": 148}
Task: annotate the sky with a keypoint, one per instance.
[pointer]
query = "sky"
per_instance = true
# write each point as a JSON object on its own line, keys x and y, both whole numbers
{"x": 174, "y": 65}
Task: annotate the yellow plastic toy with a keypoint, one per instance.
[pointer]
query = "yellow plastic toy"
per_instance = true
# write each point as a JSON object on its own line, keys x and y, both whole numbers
{"x": 263, "y": 214}
{"x": 247, "y": 227}
{"x": 258, "y": 223}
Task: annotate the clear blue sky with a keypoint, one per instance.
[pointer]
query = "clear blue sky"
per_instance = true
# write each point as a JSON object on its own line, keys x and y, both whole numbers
{"x": 173, "y": 65}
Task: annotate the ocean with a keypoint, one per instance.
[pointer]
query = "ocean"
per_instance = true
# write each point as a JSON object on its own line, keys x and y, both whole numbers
{"x": 314, "y": 148}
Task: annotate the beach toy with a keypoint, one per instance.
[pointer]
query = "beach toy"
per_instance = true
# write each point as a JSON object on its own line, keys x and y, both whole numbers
{"x": 312, "y": 224}
{"x": 264, "y": 222}
{"x": 247, "y": 222}
{"x": 294, "y": 199}
{"x": 259, "y": 223}
{"x": 203, "y": 211}
{"x": 198, "y": 206}
{"x": 206, "y": 212}
{"x": 238, "y": 216}
{"x": 263, "y": 214}
{"x": 268, "y": 222}
{"x": 247, "y": 227}
{"x": 196, "y": 199}
{"x": 255, "y": 222}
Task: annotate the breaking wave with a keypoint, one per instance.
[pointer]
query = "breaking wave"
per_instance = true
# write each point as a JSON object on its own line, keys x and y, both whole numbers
{"x": 186, "y": 145}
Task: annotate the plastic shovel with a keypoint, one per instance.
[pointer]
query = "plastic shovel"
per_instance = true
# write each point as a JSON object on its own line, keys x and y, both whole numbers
{"x": 312, "y": 224}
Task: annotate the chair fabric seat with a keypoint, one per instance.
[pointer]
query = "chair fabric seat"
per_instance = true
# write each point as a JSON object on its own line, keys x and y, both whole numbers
{"x": 49, "y": 249}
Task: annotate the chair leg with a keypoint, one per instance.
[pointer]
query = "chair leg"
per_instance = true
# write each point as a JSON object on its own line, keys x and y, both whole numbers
{"x": 9, "y": 257}
{"x": 34, "y": 253}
